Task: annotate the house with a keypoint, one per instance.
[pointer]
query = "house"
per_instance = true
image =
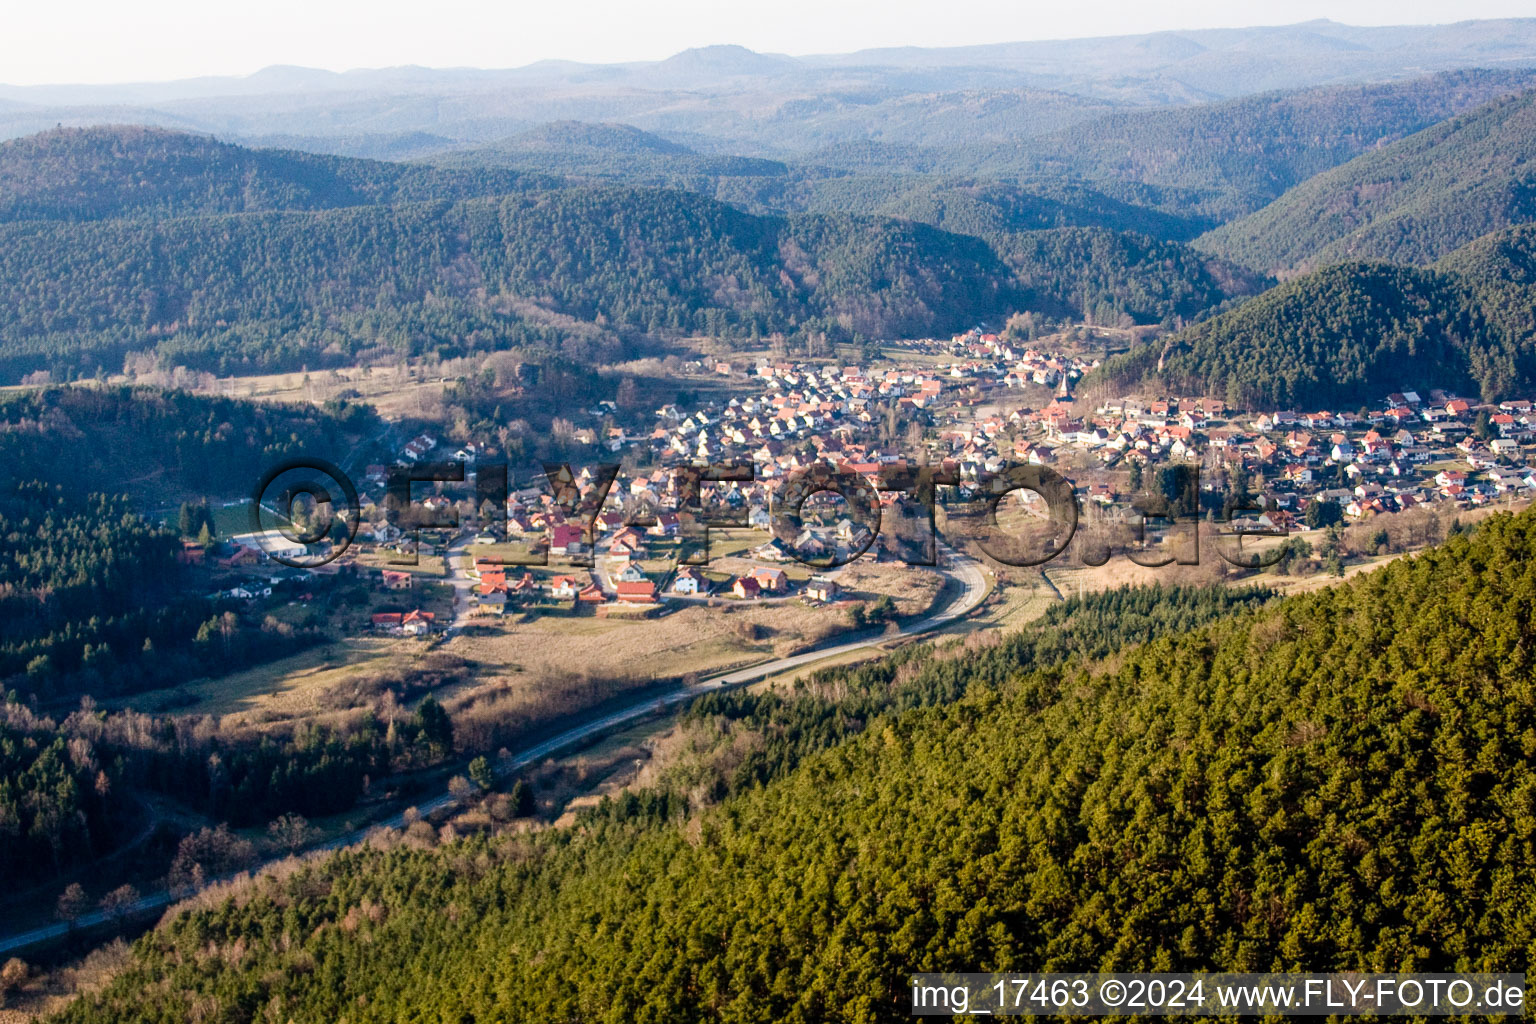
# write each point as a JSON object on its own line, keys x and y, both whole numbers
{"x": 666, "y": 525}
{"x": 822, "y": 588}
{"x": 565, "y": 540}
{"x": 248, "y": 593}
{"x": 397, "y": 580}
{"x": 630, "y": 574}
{"x": 773, "y": 551}
{"x": 1450, "y": 477}
{"x": 631, "y": 537}
{"x": 768, "y": 580}
{"x": 745, "y": 588}
{"x": 387, "y": 620}
{"x": 491, "y": 601}
{"x": 591, "y": 594}
{"x": 563, "y": 588}
{"x": 238, "y": 557}
{"x": 417, "y": 623}
{"x": 635, "y": 591}
{"x": 271, "y": 544}
{"x": 690, "y": 581}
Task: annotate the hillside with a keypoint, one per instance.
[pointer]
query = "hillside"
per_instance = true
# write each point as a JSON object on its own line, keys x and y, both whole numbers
{"x": 1250, "y": 150}
{"x": 325, "y": 271}
{"x": 839, "y": 181}
{"x": 1500, "y": 270}
{"x": 1339, "y": 782}
{"x": 164, "y": 446}
{"x": 611, "y": 138}
{"x": 1351, "y": 333}
{"x": 1345, "y": 335}
{"x": 1110, "y": 276}
{"x": 1409, "y": 202}
{"x": 275, "y": 290}
{"x": 618, "y": 153}
{"x": 987, "y": 209}
{"x": 77, "y": 174}
{"x": 91, "y": 596}
{"x": 1168, "y": 171}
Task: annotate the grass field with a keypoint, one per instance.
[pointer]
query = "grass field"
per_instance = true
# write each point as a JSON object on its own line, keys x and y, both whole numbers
{"x": 280, "y": 689}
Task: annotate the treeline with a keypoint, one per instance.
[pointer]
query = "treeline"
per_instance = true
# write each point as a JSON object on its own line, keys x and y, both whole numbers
{"x": 94, "y": 602}
{"x": 57, "y": 807}
{"x": 70, "y": 791}
{"x": 92, "y": 597}
{"x": 91, "y": 594}
{"x": 165, "y": 443}
{"x": 83, "y": 589}
{"x": 1337, "y": 783}
{"x": 1349, "y": 334}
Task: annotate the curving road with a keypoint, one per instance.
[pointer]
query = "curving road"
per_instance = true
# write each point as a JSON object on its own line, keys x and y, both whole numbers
{"x": 959, "y": 568}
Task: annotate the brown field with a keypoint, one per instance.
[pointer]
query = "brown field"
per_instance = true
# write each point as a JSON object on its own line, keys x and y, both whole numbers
{"x": 393, "y": 393}
{"x": 426, "y": 564}
{"x": 695, "y": 639}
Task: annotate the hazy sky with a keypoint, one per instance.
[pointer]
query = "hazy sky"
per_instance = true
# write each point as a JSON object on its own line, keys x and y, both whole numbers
{"x": 51, "y": 41}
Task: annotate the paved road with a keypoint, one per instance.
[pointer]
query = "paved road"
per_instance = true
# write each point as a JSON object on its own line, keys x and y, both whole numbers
{"x": 967, "y": 572}
{"x": 464, "y": 586}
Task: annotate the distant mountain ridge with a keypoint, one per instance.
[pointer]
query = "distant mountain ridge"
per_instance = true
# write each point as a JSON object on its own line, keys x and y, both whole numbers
{"x": 1257, "y": 147}
{"x": 709, "y": 90}
{"x": 1170, "y": 172}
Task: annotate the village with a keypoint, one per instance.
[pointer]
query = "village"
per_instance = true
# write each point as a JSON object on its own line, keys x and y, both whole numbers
{"x": 971, "y": 406}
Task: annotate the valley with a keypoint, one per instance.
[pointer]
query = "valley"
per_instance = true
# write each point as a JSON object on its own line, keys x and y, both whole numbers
{"x": 738, "y": 530}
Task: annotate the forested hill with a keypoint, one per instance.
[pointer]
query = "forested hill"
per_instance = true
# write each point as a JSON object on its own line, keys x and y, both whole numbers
{"x": 125, "y": 171}
{"x": 163, "y": 447}
{"x": 955, "y": 201}
{"x": 1353, "y": 332}
{"x": 562, "y": 136}
{"x": 1242, "y": 153}
{"x": 1410, "y": 202}
{"x": 968, "y": 206}
{"x": 283, "y": 289}
{"x": 1500, "y": 270}
{"x": 1106, "y": 275}
{"x": 1340, "y": 782}
{"x": 621, "y": 153}
{"x": 90, "y": 593}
